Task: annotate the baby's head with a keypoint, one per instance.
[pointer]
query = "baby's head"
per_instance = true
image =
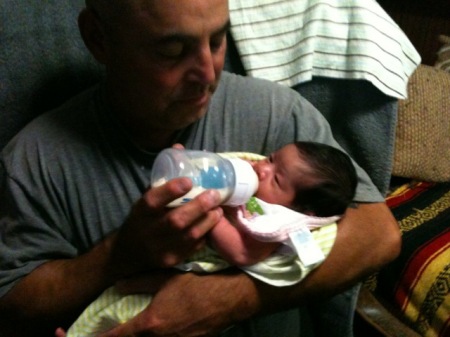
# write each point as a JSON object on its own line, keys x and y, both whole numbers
{"x": 330, "y": 185}
{"x": 311, "y": 178}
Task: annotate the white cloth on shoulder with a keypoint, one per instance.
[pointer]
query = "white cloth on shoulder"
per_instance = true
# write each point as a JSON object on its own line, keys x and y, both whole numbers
{"x": 289, "y": 42}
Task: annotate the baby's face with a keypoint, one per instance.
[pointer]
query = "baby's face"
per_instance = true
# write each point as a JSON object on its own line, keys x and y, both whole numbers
{"x": 278, "y": 176}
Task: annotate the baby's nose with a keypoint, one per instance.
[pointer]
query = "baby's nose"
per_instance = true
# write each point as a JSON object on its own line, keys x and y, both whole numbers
{"x": 258, "y": 166}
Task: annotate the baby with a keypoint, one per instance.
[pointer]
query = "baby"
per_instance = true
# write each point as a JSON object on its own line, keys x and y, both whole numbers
{"x": 302, "y": 186}
{"x": 309, "y": 178}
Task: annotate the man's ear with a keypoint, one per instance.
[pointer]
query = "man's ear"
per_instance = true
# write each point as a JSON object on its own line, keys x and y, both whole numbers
{"x": 93, "y": 35}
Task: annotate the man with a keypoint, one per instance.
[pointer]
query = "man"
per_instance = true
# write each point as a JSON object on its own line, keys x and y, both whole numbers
{"x": 77, "y": 217}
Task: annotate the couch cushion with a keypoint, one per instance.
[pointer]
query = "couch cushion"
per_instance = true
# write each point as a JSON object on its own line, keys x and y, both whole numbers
{"x": 43, "y": 60}
{"x": 422, "y": 145}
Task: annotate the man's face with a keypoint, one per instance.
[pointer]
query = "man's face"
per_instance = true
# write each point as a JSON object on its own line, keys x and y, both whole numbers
{"x": 164, "y": 60}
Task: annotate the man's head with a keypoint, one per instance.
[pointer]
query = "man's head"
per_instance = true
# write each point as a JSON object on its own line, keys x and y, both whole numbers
{"x": 163, "y": 58}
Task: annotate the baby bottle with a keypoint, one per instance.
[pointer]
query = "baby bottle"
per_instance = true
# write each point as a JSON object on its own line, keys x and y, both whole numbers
{"x": 234, "y": 178}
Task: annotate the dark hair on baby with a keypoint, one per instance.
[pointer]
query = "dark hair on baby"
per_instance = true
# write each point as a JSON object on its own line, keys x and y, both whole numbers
{"x": 329, "y": 188}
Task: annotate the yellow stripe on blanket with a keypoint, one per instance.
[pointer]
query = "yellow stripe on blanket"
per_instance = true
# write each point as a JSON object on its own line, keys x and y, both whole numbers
{"x": 423, "y": 288}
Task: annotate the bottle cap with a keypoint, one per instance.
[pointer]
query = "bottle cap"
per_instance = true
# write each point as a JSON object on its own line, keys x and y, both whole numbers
{"x": 246, "y": 182}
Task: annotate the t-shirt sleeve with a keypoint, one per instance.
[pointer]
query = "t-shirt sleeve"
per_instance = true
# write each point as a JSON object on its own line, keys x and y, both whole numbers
{"x": 30, "y": 228}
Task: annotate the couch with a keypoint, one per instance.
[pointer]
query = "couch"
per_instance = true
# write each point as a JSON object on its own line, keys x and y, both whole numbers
{"x": 411, "y": 296}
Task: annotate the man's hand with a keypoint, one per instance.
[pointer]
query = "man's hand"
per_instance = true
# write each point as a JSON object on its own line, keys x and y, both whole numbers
{"x": 155, "y": 236}
{"x": 188, "y": 304}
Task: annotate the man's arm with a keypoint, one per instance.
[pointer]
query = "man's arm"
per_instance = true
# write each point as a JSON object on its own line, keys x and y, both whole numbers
{"x": 368, "y": 237}
{"x": 55, "y": 293}
{"x": 152, "y": 237}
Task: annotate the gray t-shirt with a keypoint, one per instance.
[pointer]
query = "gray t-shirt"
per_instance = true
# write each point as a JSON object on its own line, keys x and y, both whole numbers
{"x": 71, "y": 176}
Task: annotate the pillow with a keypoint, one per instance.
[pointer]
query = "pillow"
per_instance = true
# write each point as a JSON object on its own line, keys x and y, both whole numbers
{"x": 422, "y": 144}
{"x": 443, "y": 55}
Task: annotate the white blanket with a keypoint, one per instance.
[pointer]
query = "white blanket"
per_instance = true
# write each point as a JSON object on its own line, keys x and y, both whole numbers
{"x": 289, "y": 41}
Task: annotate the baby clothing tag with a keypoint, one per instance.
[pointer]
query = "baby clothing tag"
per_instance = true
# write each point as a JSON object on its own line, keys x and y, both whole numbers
{"x": 306, "y": 247}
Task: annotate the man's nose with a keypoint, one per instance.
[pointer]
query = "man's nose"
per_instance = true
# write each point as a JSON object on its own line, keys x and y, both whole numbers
{"x": 204, "y": 71}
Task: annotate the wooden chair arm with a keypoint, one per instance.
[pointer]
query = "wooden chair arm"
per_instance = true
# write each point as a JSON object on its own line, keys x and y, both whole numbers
{"x": 378, "y": 316}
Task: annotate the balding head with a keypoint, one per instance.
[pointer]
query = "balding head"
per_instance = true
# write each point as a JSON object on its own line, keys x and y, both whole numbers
{"x": 108, "y": 10}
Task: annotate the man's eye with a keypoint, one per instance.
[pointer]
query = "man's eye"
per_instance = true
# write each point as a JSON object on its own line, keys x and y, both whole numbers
{"x": 217, "y": 42}
{"x": 171, "y": 50}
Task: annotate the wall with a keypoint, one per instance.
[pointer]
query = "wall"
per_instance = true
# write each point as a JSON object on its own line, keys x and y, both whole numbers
{"x": 422, "y": 21}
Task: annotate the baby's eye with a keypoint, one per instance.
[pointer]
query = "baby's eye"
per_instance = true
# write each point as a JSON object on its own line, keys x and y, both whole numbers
{"x": 277, "y": 180}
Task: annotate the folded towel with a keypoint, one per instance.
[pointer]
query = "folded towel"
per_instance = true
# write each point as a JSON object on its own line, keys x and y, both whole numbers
{"x": 291, "y": 41}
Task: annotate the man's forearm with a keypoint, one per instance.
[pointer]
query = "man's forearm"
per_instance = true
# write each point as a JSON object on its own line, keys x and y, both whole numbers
{"x": 55, "y": 293}
{"x": 368, "y": 238}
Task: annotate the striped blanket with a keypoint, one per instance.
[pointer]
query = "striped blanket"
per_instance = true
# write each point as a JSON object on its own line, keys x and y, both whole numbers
{"x": 418, "y": 282}
{"x": 289, "y": 41}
